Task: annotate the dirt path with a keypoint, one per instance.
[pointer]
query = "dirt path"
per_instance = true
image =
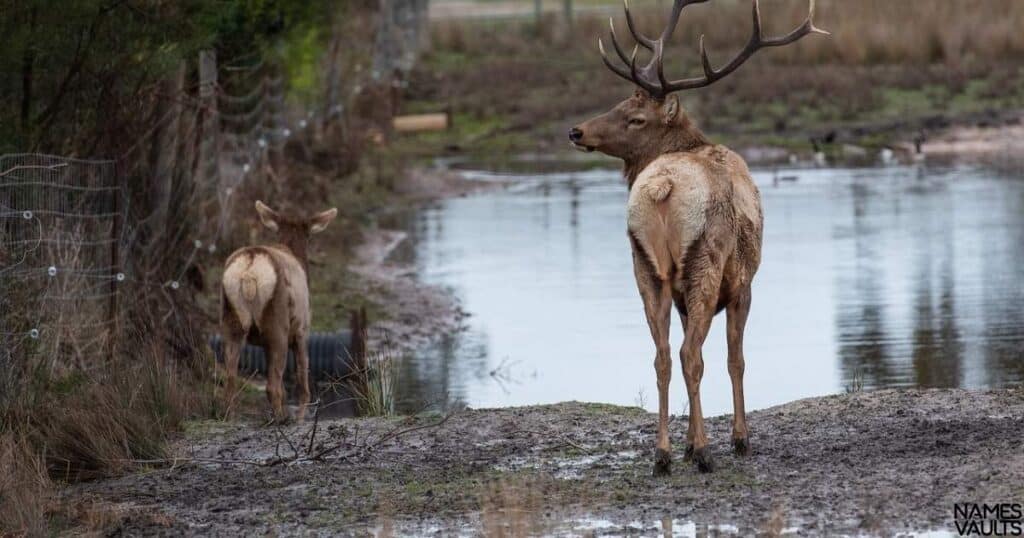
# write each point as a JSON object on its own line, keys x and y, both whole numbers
{"x": 868, "y": 463}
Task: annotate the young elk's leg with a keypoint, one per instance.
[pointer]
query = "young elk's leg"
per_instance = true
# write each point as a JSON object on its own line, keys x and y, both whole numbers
{"x": 277, "y": 359}
{"x": 657, "y": 297}
{"x": 302, "y": 373}
{"x": 737, "y": 319}
{"x": 700, "y": 308}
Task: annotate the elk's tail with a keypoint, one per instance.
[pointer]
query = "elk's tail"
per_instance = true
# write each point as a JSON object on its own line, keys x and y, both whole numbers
{"x": 658, "y": 188}
{"x": 249, "y": 281}
{"x": 648, "y": 223}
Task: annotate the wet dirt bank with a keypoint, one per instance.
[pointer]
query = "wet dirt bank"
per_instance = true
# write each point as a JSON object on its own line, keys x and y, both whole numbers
{"x": 412, "y": 314}
{"x": 867, "y": 463}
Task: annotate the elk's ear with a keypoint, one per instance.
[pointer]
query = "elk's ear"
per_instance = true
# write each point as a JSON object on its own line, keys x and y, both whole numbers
{"x": 321, "y": 220}
{"x": 268, "y": 216}
{"x": 670, "y": 110}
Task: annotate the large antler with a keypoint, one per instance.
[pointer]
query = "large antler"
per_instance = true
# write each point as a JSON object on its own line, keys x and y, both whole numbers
{"x": 651, "y": 77}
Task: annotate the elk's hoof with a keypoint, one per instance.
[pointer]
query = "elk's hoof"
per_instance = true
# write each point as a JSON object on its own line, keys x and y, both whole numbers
{"x": 742, "y": 446}
{"x": 662, "y": 463}
{"x": 688, "y": 455}
{"x": 702, "y": 458}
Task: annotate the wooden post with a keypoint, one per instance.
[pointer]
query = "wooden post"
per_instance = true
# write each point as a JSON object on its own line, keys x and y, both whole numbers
{"x": 167, "y": 146}
{"x": 359, "y": 370}
{"x": 567, "y": 13}
{"x": 115, "y": 261}
{"x": 210, "y": 123}
{"x": 538, "y": 15}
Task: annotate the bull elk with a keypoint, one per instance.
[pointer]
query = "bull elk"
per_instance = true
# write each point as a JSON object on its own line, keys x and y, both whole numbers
{"x": 266, "y": 299}
{"x": 694, "y": 218}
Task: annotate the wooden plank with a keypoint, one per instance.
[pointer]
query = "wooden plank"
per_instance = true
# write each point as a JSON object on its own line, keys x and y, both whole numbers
{"x": 420, "y": 122}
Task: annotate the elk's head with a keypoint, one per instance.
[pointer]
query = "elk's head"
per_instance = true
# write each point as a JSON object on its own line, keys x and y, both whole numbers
{"x": 294, "y": 232}
{"x": 652, "y": 121}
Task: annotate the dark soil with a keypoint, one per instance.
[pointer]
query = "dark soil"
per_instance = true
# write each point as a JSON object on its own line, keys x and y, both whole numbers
{"x": 866, "y": 463}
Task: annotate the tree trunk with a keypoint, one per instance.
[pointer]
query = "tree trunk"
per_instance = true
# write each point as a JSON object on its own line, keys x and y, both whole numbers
{"x": 27, "y": 64}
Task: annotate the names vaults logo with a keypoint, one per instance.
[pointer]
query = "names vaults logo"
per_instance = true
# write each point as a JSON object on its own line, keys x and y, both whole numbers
{"x": 1003, "y": 519}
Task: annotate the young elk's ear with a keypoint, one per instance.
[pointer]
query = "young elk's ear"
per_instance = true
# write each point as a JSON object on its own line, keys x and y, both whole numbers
{"x": 321, "y": 220}
{"x": 268, "y": 216}
{"x": 670, "y": 109}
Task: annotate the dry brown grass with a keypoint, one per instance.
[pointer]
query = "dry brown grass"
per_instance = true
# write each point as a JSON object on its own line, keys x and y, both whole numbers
{"x": 889, "y": 67}
{"x": 117, "y": 417}
{"x": 865, "y": 32}
{"x": 25, "y": 489}
{"x": 102, "y": 424}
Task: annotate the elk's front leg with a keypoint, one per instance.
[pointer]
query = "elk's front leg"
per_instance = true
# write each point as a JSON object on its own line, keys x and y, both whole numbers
{"x": 657, "y": 297}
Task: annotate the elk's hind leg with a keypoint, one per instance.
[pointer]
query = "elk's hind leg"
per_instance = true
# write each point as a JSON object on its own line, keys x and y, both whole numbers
{"x": 737, "y": 311}
{"x": 680, "y": 301}
{"x": 700, "y": 306}
{"x": 233, "y": 338}
{"x": 277, "y": 359}
{"x": 301, "y": 351}
{"x": 657, "y": 296}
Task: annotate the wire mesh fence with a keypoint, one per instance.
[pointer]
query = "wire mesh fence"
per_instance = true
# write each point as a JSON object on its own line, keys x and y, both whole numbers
{"x": 60, "y": 240}
{"x": 83, "y": 241}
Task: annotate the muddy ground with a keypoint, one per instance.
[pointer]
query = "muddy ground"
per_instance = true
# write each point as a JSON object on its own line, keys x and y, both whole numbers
{"x": 867, "y": 463}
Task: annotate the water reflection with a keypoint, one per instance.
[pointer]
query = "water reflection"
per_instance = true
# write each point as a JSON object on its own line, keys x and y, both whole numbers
{"x": 876, "y": 277}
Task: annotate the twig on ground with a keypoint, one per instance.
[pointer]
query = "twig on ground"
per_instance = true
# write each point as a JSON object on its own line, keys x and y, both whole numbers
{"x": 281, "y": 435}
{"x": 561, "y": 440}
{"x": 312, "y": 432}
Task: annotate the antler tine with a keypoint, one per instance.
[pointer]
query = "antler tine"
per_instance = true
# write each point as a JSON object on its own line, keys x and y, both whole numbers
{"x": 644, "y": 77}
{"x": 659, "y": 57}
{"x": 643, "y": 40}
{"x": 673, "y": 20}
{"x": 615, "y": 42}
{"x": 615, "y": 69}
{"x": 804, "y": 29}
{"x": 638, "y": 79}
{"x": 756, "y": 43}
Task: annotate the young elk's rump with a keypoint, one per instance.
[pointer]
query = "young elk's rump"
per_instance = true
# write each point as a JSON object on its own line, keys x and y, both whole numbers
{"x": 266, "y": 299}
{"x": 694, "y": 218}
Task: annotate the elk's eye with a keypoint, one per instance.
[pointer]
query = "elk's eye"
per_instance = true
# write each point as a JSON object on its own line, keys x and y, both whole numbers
{"x": 637, "y": 121}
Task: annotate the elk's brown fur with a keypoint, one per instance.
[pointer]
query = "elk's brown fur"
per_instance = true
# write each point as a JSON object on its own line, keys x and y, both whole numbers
{"x": 265, "y": 298}
{"x": 694, "y": 221}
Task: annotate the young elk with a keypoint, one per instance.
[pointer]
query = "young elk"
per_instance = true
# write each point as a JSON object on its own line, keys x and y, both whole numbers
{"x": 694, "y": 219}
{"x": 266, "y": 298}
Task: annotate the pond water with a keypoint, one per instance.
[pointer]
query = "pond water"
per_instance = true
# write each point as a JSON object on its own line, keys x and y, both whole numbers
{"x": 870, "y": 278}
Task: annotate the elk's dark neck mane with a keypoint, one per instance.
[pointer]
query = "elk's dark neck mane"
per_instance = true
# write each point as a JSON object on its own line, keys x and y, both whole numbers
{"x": 683, "y": 136}
{"x": 293, "y": 238}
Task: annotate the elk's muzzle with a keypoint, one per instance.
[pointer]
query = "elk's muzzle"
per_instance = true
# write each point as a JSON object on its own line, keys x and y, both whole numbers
{"x": 575, "y": 136}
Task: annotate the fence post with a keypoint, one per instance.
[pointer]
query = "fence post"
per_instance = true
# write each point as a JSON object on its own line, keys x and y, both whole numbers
{"x": 567, "y": 12}
{"x": 167, "y": 146}
{"x": 210, "y": 124}
{"x": 115, "y": 259}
